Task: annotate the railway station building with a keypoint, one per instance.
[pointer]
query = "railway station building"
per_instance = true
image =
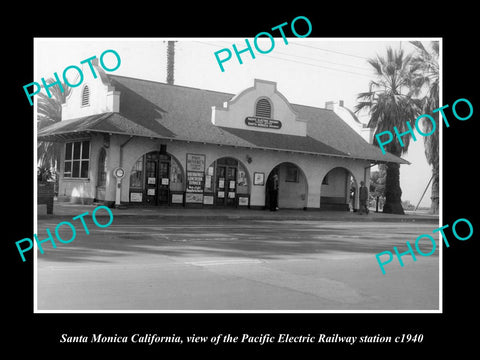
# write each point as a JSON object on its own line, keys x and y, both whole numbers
{"x": 136, "y": 142}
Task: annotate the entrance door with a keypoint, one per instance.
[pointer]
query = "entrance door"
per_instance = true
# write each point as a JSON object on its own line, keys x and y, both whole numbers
{"x": 157, "y": 180}
{"x": 226, "y": 185}
{"x": 151, "y": 182}
{"x": 163, "y": 182}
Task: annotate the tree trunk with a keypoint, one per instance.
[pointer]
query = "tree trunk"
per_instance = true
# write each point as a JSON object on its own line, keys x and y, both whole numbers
{"x": 434, "y": 207}
{"x": 393, "y": 192}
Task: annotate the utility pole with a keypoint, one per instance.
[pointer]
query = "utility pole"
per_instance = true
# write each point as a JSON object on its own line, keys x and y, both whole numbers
{"x": 170, "y": 62}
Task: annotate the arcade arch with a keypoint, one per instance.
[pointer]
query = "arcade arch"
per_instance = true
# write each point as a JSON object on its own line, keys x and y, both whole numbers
{"x": 155, "y": 179}
{"x": 339, "y": 190}
{"x": 227, "y": 183}
{"x": 292, "y": 187}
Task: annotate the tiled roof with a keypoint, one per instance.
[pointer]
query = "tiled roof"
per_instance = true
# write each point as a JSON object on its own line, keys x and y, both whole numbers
{"x": 159, "y": 110}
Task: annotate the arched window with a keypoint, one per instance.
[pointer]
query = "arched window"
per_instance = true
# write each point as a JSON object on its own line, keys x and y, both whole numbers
{"x": 263, "y": 108}
{"x": 85, "y": 96}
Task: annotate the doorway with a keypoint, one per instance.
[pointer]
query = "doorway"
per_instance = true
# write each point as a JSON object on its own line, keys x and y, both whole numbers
{"x": 226, "y": 182}
{"x": 157, "y": 178}
{"x": 289, "y": 190}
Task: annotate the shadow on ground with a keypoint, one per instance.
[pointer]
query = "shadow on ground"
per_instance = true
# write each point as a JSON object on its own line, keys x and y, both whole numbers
{"x": 239, "y": 239}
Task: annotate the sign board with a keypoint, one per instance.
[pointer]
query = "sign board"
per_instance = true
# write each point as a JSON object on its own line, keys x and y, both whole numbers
{"x": 193, "y": 198}
{"x": 135, "y": 197}
{"x": 263, "y": 122}
{"x": 196, "y": 162}
{"x": 177, "y": 198}
{"x": 195, "y": 174}
{"x": 243, "y": 201}
{"x": 208, "y": 182}
{"x": 119, "y": 172}
{"x": 208, "y": 200}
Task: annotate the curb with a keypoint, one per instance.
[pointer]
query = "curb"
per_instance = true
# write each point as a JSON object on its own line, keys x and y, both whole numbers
{"x": 245, "y": 217}
{"x": 67, "y": 212}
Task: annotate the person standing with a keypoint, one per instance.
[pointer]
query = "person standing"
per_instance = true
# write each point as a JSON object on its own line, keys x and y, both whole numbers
{"x": 363, "y": 198}
{"x": 273, "y": 193}
{"x": 352, "y": 198}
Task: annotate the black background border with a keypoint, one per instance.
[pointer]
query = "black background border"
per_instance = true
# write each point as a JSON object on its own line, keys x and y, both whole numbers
{"x": 41, "y": 332}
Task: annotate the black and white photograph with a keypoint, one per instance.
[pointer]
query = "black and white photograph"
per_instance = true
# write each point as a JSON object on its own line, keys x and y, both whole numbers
{"x": 270, "y": 188}
{"x": 189, "y": 230}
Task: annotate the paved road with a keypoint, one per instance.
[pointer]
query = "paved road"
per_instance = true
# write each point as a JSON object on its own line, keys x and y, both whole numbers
{"x": 235, "y": 265}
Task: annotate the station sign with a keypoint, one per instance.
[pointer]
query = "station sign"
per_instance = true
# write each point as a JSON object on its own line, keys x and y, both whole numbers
{"x": 263, "y": 122}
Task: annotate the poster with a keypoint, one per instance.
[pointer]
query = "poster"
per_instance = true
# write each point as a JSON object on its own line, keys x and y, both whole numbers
{"x": 258, "y": 178}
{"x": 193, "y": 198}
{"x": 151, "y": 181}
{"x": 208, "y": 200}
{"x": 243, "y": 201}
{"x": 196, "y": 162}
{"x": 136, "y": 197}
{"x": 177, "y": 198}
{"x": 195, "y": 177}
{"x": 165, "y": 181}
{"x": 208, "y": 182}
{"x": 242, "y": 178}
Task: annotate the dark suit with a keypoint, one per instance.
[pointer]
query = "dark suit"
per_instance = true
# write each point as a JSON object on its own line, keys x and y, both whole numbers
{"x": 363, "y": 197}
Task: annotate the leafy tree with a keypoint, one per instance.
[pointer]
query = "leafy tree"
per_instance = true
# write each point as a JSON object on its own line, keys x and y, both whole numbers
{"x": 390, "y": 103}
{"x": 426, "y": 83}
{"x": 49, "y": 111}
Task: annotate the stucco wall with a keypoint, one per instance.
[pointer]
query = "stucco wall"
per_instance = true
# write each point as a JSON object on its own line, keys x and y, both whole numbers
{"x": 336, "y": 183}
{"x": 103, "y": 98}
{"x": 81, "y": 190}
{"x": 305, "y": 193}
{"x": 243, "y": 105}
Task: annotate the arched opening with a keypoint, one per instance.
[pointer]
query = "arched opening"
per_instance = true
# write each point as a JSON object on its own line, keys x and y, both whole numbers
{"x": 156, "y": 178}
{"x": 286, "y": 188}
{"x": 339, "y": 190}
{"x": 227, "y": 184}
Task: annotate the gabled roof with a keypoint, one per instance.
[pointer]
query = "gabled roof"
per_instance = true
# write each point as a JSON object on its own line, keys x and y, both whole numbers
{"x": 159, "y": 110}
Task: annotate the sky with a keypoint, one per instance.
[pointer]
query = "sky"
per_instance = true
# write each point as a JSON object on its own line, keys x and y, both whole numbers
{"x": 308, "y": 71}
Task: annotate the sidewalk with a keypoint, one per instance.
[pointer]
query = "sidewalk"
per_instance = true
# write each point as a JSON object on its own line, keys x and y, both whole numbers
{"x": 68, "y": 210}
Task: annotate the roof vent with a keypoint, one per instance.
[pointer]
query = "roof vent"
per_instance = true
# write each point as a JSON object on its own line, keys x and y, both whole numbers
{"x": 263, "y": 108}
{"x": 86, "y": 96}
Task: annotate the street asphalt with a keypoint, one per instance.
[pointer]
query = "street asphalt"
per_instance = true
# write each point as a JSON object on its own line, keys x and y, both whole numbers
{"x": 238, "y": 260}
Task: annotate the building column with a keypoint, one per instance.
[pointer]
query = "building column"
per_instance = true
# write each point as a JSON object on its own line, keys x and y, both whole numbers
{"x": 314, "y": 181}
{"x": 113, "y": 161}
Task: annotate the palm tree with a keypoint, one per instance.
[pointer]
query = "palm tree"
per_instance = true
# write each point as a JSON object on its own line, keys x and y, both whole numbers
{"x": 390, "y": 104}
{"x": 49, "y": 111}
{"x": 426, "y": 81}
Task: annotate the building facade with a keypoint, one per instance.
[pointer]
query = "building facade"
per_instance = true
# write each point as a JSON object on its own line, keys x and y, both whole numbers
{"x": 145, "y": 143}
